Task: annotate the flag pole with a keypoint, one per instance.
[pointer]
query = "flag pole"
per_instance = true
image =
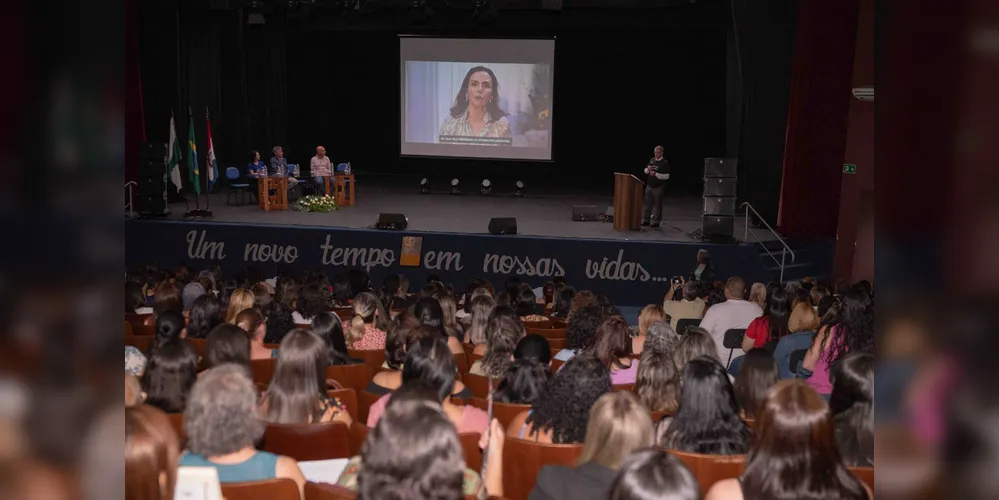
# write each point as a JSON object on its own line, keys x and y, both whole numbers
{"x": 193, "y": 167}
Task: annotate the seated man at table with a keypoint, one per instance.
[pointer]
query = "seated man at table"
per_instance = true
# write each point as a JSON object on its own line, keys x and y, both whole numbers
{"x": 279, "y": 166}
{"x": 320, "y": 167}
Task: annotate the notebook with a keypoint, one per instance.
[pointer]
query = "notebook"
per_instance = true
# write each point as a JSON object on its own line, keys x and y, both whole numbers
{"x": 197, "y": 483}
{"x": 323, "y": 471}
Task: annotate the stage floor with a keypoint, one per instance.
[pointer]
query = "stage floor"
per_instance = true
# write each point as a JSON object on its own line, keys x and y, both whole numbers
{"x": 548, "y": 215}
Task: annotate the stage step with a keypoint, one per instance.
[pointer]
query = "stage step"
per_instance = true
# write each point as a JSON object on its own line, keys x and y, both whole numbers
{"x": 812, "y": 259}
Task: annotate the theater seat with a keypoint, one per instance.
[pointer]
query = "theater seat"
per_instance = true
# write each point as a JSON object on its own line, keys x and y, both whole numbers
{"x": 556, "y": 364}
{"x": 461, "y": 361}
{"x": 556, "y": 345}
{"x": 503, "y": 412}
{"x": 349, "y": 399}
{"x": 709, "y": 469}
{"x": 864, "y": 474}
{"x": 177, "y": 422}
{"x": 364, "y": 401}
{"x": 624, "y": 387}
{"x": 358, "y": 434}
{"x": 141, "y": 343}
{"x": 537, "y": 325}
{"x": 374, "y": 358}
{"x": 271, "y": 489}
{"x": 320, "y": 441}
{"x": 522, "y": 459}
{"x": 351, "y": 376}
{"x": 472, "y": 452}
{"x": 262, "y": 370}
{"x": 200, "y": 346}
{"x": 479, "y": 384}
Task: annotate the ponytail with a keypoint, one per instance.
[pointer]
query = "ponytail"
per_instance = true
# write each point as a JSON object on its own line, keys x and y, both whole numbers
{"x": 356, "y": 332}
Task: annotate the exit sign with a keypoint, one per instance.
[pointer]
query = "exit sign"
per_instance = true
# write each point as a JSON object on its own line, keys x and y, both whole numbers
{"x": 849, "y": 168}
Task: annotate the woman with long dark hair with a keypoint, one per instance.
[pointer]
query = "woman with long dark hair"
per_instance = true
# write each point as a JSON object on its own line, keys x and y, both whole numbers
{"x": 794, "y": 454}
{"x": 311, "y": 303}
{"x": 327, "y": 326}
{"x": 297, "y": 392}
{"x": 708, "y": 420}
{"x": 846, "y": 328}
{"x": 476, "y": 111}
{"x": 171, "y": 372}
{"x": 169, "y": 327}
{"x": 563, "y": 302}
{"x": 756, "y": 376}
{"x": 852, "y": 406}
{"x": 529, "y": 372}
{"x": 227, "y": 344}
{"x": 206, "y": 313}
{"x": 612, "y": 346}
{"x": 770, "y": 327}
{"x": 278, "y": 317}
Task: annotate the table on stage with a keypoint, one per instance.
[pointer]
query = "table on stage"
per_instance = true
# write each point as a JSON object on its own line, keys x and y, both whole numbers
{"x": 276, "y": 201}
{"x": 342, "y": 189}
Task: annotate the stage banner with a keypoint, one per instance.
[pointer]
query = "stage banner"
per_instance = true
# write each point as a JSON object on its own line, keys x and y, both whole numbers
{"x": 630, "y": 273}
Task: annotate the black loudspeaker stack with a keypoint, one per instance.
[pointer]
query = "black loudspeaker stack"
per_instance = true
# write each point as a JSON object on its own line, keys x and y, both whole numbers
{"x": 718, "y": 219}
{"x": 503, "y": 225}
{"x": 152, "y": 180}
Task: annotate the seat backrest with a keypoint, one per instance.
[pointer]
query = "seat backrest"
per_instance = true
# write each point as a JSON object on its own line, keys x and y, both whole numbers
{"x": 796, "y": 358}
{"x": 683, "y": 324}
{"x": 504, "y": 412}
{"x": 733, "y": 338}
{"x": 271, "y": 489}
{"x": 358, "y": 434}
{"x": 556, "y": 364}
{"x": 472, "y": 358}
{"x": 262, "y": 370}
{"x": 522, "y": 459}
{"x": 461, "y": 361}
{"x": 199, "y": 346}
{"x": 468, "y": 348}
{"x": 548, "y": 333}
{"x": 319, "y": 441}
{"x": 556, "y": 345}
{"x": 128, "y": 329}
{"x": 351, "y": 376}
{"x": 344, "y": 313}
{"x": 537, "y": 325}
{"x": 232, "y": 173}
{"x": 177, "y": 422}
{"x": 624, "y": 387}
{"x": 470, "y": 447}
{"x": 141, "y": 343}
{"x": 349, "y": 399}
{"x": 136, "y": 319}
{"x": 709, "y": 469}
{"x": 364, "y": 401}
{"x": 478, "y": 384}
{"x": 143, "y": 330}
{"x": 864, "y": 474}
{"x": 371, "y": 357}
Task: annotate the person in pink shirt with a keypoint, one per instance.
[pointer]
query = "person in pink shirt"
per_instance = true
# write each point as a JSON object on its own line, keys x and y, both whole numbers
{"x": 430, "y": 364}
{"x": 612, "y": 347}
{"x": 848, "y": 326}
{"x": 320, "y": 166}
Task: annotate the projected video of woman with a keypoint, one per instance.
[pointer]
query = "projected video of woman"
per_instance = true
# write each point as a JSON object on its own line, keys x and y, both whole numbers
{"x": 476, "y": 111}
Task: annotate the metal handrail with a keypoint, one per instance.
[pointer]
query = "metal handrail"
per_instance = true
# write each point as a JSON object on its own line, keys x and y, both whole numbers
{"x": 131, "y": 209}
{"x": 784, "y": 251}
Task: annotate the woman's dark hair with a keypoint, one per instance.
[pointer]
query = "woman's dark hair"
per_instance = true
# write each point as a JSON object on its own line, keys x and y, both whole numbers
{"x": 794, "y": 454}
{"x": 582, "y": 327}
{"x": 170, "y": 373}
{"x": 778, "y": 312}
{"x": 286, "y": 292}
{"x": 168, "y": 328}
{"x": 523, "y": 382}
{"x": 708, "y": 420}
{"x": 413, "y": 452}
{"x": 526, "y": 301}
{"x": 400, "y": 334}
{"x": 299, "y": 381}
{"x": 461, "y": 100}
{"x": 855, "y": 327}
{"x": 824, "y": 304}
{"x": 852, "y": 405}
{"x": 134, "y": 297}
{"x": 206, "y": 313}
{"x": 428, "y": 311}
{"x": 757, "y": 375}
{"x": 341, "y": 290}
{"x": 563, "y": 302}
{"x": 612, "y": 341}
{"x": 279, "y": 321}
{"x": 564, "y": 404}
{"x": 253, "y": 155}
{"x": 535, "y": 348}
{"x": 390, "y": 285}
{"x": 167, "y": 298}
{"x": 652, "y": 474}
{"x": 327, "y": 327}
{"x": 430, "y": 362}
{"x": 359, "y": 281}
{"x": 715, "y": 296}
{"x": 227, "y": 344}
{"x": 311, "y": 302}
{"x": 503, "y": 332}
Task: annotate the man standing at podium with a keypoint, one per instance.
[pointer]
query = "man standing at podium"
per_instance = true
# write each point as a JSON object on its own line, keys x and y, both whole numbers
{"x": 657, "y": 173}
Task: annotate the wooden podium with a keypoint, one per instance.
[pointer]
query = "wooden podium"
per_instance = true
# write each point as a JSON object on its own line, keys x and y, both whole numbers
{"x": 276, "y": 201}
{"x": 628, "y": 193}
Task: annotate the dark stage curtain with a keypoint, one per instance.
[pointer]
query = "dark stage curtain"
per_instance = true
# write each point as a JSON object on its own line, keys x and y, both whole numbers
{"x": 135, "y": 125}
{"x": 817, "y": 117}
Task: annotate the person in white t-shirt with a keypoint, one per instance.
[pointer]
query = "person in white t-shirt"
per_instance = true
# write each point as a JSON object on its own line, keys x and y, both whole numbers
{"x": 735, "y": 312}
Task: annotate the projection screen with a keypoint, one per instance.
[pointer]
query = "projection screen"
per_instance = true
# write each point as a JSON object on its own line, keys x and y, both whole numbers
{"x": 476, "y": 98}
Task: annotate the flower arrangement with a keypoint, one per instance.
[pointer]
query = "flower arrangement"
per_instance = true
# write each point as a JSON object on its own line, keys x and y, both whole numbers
{"x": 313, "y": 203}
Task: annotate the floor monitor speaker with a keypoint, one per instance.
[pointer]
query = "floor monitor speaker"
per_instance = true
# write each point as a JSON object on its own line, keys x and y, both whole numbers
{"x": 503, "y": 225}
{"x": 392, "y": 222}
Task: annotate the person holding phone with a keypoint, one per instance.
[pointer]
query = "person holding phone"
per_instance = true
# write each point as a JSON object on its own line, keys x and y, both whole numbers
{"x": 691, "y": 306}
{"x": 657, "y": 173}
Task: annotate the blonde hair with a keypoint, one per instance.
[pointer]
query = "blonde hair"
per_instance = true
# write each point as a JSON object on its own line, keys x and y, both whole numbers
{"x": 450, "y": 309}
{"x": 367, "y": 310}
{"x": 758, "y": 294}
{"x": 618, "y": 425}
{"x": 240, "y": 300}
{"x": 650, "y": 315}
{"x": 803, "y": 319}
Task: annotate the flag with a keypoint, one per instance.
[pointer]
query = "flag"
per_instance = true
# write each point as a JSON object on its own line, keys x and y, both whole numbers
{"x": 192, "y": 160}
{"x": 210, "y": 159}
{"x": 173, "y": 156}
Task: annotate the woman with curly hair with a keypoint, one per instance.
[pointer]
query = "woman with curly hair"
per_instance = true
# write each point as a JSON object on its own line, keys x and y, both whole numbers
{"x": 849, "y": 331}
{"x": 503, "y": 332}
{"x": 708, "y": 421}
{"x": 580, "y": 330}
{"x": 794, "y": 454}
{"x": 581, "y": 300}
{"x": 311, "y": 303}
{"x": 562, "y": 411}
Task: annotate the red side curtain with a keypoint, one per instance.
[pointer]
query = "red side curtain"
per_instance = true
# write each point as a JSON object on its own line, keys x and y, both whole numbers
{"x": 817, "y": 117}
{"x": 135, "y": 121}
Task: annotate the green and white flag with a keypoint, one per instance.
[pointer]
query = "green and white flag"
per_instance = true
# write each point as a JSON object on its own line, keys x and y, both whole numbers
{"x": 173, "y": 156}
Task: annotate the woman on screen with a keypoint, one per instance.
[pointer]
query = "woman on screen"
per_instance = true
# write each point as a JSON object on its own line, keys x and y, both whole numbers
{"x": 476, "y": 111}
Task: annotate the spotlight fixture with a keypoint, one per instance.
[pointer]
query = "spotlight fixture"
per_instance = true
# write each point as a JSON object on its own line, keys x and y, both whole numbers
{"x": 485, "y": 11}
{"x": 424, "y": 186}
{"x": 421, "y": 10}
{"x": 454, "y": 186}
{"x": 520, "y": 189}
{"x": 486, "y": 187}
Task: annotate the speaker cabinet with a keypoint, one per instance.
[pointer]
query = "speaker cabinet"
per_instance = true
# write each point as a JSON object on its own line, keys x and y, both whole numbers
{"x": 503, "y": 225}
{"x": 392, "y": 222}
{"x": 585, "y": 213}
{"x": 715, "y": 226}
{"x": 719, "y": 205}
{"x": 720, "y": 167}
{"x": 719, "y": 186}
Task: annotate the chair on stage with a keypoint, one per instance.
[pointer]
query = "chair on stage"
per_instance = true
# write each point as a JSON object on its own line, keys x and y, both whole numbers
{"x": 296, "y": 191}
{"x": 235, "y": 188}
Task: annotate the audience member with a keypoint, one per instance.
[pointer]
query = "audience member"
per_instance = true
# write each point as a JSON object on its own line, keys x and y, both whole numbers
{"x": 310, "y": 304}
{"x": 503, "y": 333}
{"x": 816, "y": 294}
{"x": 735, "y": 312}
{"x": 618, "y": 425}
{"x": 582, "y": 299}
{"x": 135, "y": 361}
{"x": 705, "y": 271}
{"x": 654, "y": 475}
{"x": 206, "y": 313}
{"x": 758, "y": 294}
{"x": 697, "y": 342}
{"x": 152, "y": 451}
{"x": 297, "y": 391}
{"x": 852, "y": 330}
{"x": 278, "y": 317}
{"x": 329, "y": 329}
{"x": 563, "y": 302}
{"x": 581, "y": 328}
{"x": 430, "y": 313}
{"x": 526, "y": 304}
{"x": 170, "y": 326}
{"x": 852, "y": 406}
{"x": 714, "y": 295}
{"x": 341, "y": 292}
{"x": 480, "y": 308}
{"x": 803, "y": 318}
{"x": 755, "y": 377}
{"x": 384, "y": 382}
{"x": 535, "y": 348}
{"x": 661, "y": 337}
{"x": 658, "y": 384}
{"x": 523, "y": 382}
{"x": 169, "y": 375}
{"x": 135, "y": 299}
{"x": 450, "y": 309}
{"x": 227, "y": 344}
{"x": 253, "y": 323}
{"x": 429, "y": 363}
{"x": 708, "y": 419}
{"x": 612, "y": 346}
{"x": 226, "y": 399}
{"x": 562, "y": 411}
{"x": 650, "y": 315}
{"x": 240, "y": 300}
{"x": 366, "y": 331}
{"x": 794, "y": 454}
{"x": 191, "y": 292}
{"x": 690, "y": 306}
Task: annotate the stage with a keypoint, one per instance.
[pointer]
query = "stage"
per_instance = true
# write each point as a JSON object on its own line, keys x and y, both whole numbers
{"x": 448, "y": 237}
